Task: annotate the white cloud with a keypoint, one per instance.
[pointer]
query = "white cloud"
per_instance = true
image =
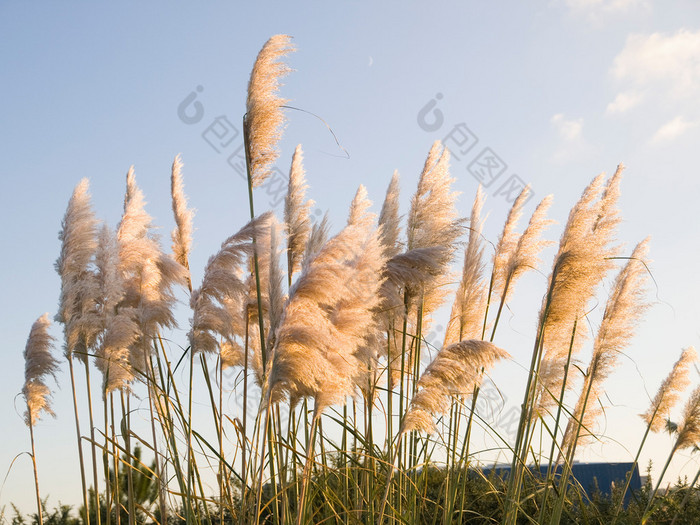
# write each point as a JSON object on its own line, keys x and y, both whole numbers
{"x": 670, "y": 62}
{"x": 572, "y": 144}
{"x": 569, "y": 130}
{"x": 672, "y": 130}
{"x": 624, "y": 101}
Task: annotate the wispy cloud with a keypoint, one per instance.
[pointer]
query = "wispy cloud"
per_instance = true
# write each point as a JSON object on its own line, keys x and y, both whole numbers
{"x": 571, "y": 144}
{"x": 672, "y": 130}
{"x": 624, "y": 101}
{"x": 569, "y": 130}
{"x": 667, "y": 62}
{"x": 661, "y": 73}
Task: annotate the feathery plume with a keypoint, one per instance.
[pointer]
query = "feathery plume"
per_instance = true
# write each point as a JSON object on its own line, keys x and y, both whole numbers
{"x": 119, "y": 330}
{"x": 689, "y": 429}
{"x": 433, "y": 220}
{"x": 182, "y": 234}
{"x": 584, "y": 257}
{"x": 507, "y": 242}
{"x": 389, "y": 219}
{"x": 358, "y": 208}
{"x": 296, "y": 212}
{"x": 317, "y": 238}
{"x": 264, "y": 117}
{"x": 622, "y": 313}
{"x": 39, "y": 363}
{"x": 78, "y": 245}
{"x": 670, "y": 390}
{"x": 149, "y": 274}
{"x": 218, "y": 305}
{"x": 467, "y": 314}
{"x": 454, "y": 372}
{"x": 530, "y": 244}
{"x": 327, "y": 318}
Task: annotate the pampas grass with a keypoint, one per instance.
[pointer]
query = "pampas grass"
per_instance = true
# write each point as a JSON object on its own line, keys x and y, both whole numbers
{"x": 296, "y": 214}
{"x": 39, "y": 363}
{"x": 182, "y": 234}
{"x": 76, "y": 308}
{"x": 454, "y": 372}
{"x": 670, "y": 391}
{"x": 264, "y": 117}
{"x": 334, "y": 349}
{"x": 468, "y": 308}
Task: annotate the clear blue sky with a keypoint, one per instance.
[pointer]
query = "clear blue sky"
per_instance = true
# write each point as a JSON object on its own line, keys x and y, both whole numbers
{"x": 559, "y": 90}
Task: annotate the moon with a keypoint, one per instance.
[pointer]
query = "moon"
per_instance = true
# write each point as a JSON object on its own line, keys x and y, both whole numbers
{"x": 371, "y": 61}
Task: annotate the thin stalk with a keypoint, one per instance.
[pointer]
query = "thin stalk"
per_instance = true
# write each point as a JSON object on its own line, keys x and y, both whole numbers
{"x": 159, "y": 473}
{"x": 447, "y": 510}
{"x": 281, "y": 469}
{"x": 647, "y": 510}
{"x": 566, "y": 473}
{"x": 266, "y": 426}
{"x": 36, "y": 474}
{"x": 390, "y": 475}
{"x": 127, "y": 443}
{"x": 370, "y": 457}
{"x": 80, "y": 444}
{"x": 92, "y": 442}
{"x": 324, "y": 464}
{"x": 273, "y": 455}
{"x": 344, "y": 454}
{"x": 488, "y": 305}
{"x": 402, "y": 376}
{"x": 301, "y": 511}
{"x": 293, "y": 428}
{"x": 190, "y": 474}
{"x": 115, "y": 457}
{"x": 389, "y": 392}
{"x": 413, "y": 442}
{"x": 244, "y": 466}
{"x": 628, "y": 479}
{"x": 170, "y": 431}
{"x": 464, "y": 456}
{"x": 555, "y": 430}
{"x": 255, "y": 251}
{"x": 220, "y": 433}
{"x": 500, "y": 307}
{"x": 520, "y": 448}
{"x": 105, "y": 462}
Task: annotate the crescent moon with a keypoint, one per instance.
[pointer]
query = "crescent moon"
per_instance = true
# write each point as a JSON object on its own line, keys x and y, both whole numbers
{"x": 371, "y": 61}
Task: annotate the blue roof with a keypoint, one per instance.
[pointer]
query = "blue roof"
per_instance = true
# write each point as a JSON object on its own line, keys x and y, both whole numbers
{"x": 603, "y": 476}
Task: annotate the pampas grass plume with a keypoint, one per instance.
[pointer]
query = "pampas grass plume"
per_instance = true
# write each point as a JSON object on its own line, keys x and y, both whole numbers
{"x": 39, "y": 363}
{"x": 670, "y": 390}
{"x": 182, "y": 234}
{"x": 264, "y": 117}
{"x": 296, "y": 212}
{"x": 454, "y": 372}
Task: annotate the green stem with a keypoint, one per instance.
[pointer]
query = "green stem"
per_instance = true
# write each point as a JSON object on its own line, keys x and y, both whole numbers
{"x": 647, "y": 510}
{"x": 36, "y": 474}
{"x": 92, "y": 441}
{"x": 555, "y": 431}
{"x": 255, "y": 251}
{"x": 628, "y": 479}
{"x": 79, "y": 440}
{"x": 301, "y": 511}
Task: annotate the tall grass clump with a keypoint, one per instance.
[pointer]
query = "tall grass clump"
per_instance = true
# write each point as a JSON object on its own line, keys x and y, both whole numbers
{"x": 347, "y": 410}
